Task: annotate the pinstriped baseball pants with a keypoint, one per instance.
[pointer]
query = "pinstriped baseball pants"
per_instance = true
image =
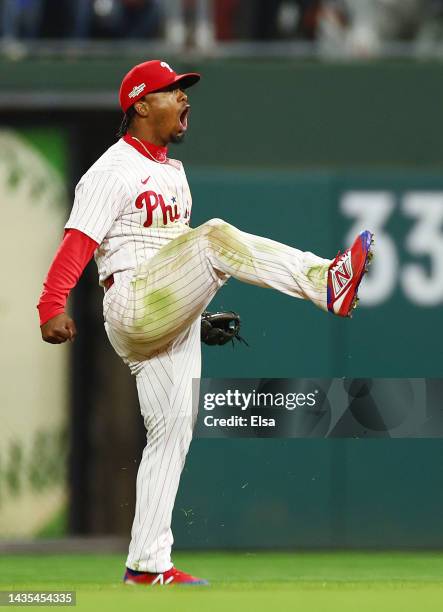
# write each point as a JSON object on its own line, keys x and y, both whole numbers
{"x": 152, "y": 317}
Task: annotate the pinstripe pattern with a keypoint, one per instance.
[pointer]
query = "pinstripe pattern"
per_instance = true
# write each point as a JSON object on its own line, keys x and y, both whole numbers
{"x": 164, "y": 384}
{"x": 153, "y": 321}
{"x": 104, "y": 207}
{"x": 165, "y": 275}
{"x": 170, "y": 291}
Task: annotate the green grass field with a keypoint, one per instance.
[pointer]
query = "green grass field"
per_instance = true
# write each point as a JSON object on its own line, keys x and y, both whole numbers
{"x": 357, "y": 582}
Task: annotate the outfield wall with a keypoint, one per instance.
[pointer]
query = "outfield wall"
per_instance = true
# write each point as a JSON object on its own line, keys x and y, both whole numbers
{"x": 306, "y": 154}
{"x": 325, "y": 493}
{"x": 266, "y": 113}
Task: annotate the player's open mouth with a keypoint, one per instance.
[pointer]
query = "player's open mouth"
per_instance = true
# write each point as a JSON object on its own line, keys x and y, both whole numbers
{"x": 183, "y": 119}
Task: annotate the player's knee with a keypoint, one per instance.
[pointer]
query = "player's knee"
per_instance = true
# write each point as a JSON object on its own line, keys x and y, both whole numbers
{"x": 216, "y": 234}
{"x": 216, "y": 227}
{"x": 216, "y": 223}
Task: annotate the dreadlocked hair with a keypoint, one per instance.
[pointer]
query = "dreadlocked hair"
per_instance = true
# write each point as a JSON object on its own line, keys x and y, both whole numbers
{"x": 126, "y": 122}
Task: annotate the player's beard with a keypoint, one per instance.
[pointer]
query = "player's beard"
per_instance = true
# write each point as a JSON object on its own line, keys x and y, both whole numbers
{"x": 178, "y": 138}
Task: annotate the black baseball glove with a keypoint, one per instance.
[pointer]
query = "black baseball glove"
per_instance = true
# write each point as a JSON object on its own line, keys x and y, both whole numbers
{"x": 219, "y": 328}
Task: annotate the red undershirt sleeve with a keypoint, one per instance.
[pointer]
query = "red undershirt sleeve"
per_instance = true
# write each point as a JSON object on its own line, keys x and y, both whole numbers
{"x": 72, "y": 256}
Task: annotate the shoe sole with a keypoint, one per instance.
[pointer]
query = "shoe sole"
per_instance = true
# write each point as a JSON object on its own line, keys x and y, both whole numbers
{"x": 368, "y": 237}
{"x": 185, "y": 584}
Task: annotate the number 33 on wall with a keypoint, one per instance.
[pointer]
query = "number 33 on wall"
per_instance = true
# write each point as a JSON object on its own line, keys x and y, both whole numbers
{"x": 421, "y": 283}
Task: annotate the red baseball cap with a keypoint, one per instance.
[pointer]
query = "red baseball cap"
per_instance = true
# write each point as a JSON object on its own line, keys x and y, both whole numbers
{"x": 149, "y": 77}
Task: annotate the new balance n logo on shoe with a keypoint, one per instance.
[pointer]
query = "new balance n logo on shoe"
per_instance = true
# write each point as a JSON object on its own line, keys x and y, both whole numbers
{"x": 160, "y": 580}
{"x": 345, "y": 274}
{"x": 342, "y": 274}
{"x": 171, "y": 576}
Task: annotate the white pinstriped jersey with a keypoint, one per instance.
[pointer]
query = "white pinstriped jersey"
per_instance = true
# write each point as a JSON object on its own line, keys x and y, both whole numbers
{"x": 131, "y": 206}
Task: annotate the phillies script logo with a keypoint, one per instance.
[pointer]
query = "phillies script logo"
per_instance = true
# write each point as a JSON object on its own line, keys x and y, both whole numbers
{"x": 151, "y": 200}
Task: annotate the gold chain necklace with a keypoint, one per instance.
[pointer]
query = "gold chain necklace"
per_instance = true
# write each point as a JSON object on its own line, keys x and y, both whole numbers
{"x": 149, "y": 152}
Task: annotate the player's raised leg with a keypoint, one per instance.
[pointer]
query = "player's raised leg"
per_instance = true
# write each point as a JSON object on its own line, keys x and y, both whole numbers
{"x": 171, "y": 290}
{"x": 331, "y": 285}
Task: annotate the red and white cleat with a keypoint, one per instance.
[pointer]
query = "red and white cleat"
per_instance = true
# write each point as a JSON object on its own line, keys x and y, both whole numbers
{"x": 172, "y": 576}
{"x": 345, "y": 274}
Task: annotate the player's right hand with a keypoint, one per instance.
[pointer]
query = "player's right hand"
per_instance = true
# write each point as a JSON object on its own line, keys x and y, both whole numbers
{"x": 59, "y": 329}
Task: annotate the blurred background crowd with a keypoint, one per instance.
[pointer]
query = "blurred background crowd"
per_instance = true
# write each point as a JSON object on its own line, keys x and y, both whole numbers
{"x": 360, "y": 28}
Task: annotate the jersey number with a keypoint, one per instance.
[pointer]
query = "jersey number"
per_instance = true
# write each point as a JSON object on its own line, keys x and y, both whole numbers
{"x": 421, "y": 283}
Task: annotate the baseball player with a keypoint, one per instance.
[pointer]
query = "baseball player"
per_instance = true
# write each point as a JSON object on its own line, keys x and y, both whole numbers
{"x": 132, "y": 211}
